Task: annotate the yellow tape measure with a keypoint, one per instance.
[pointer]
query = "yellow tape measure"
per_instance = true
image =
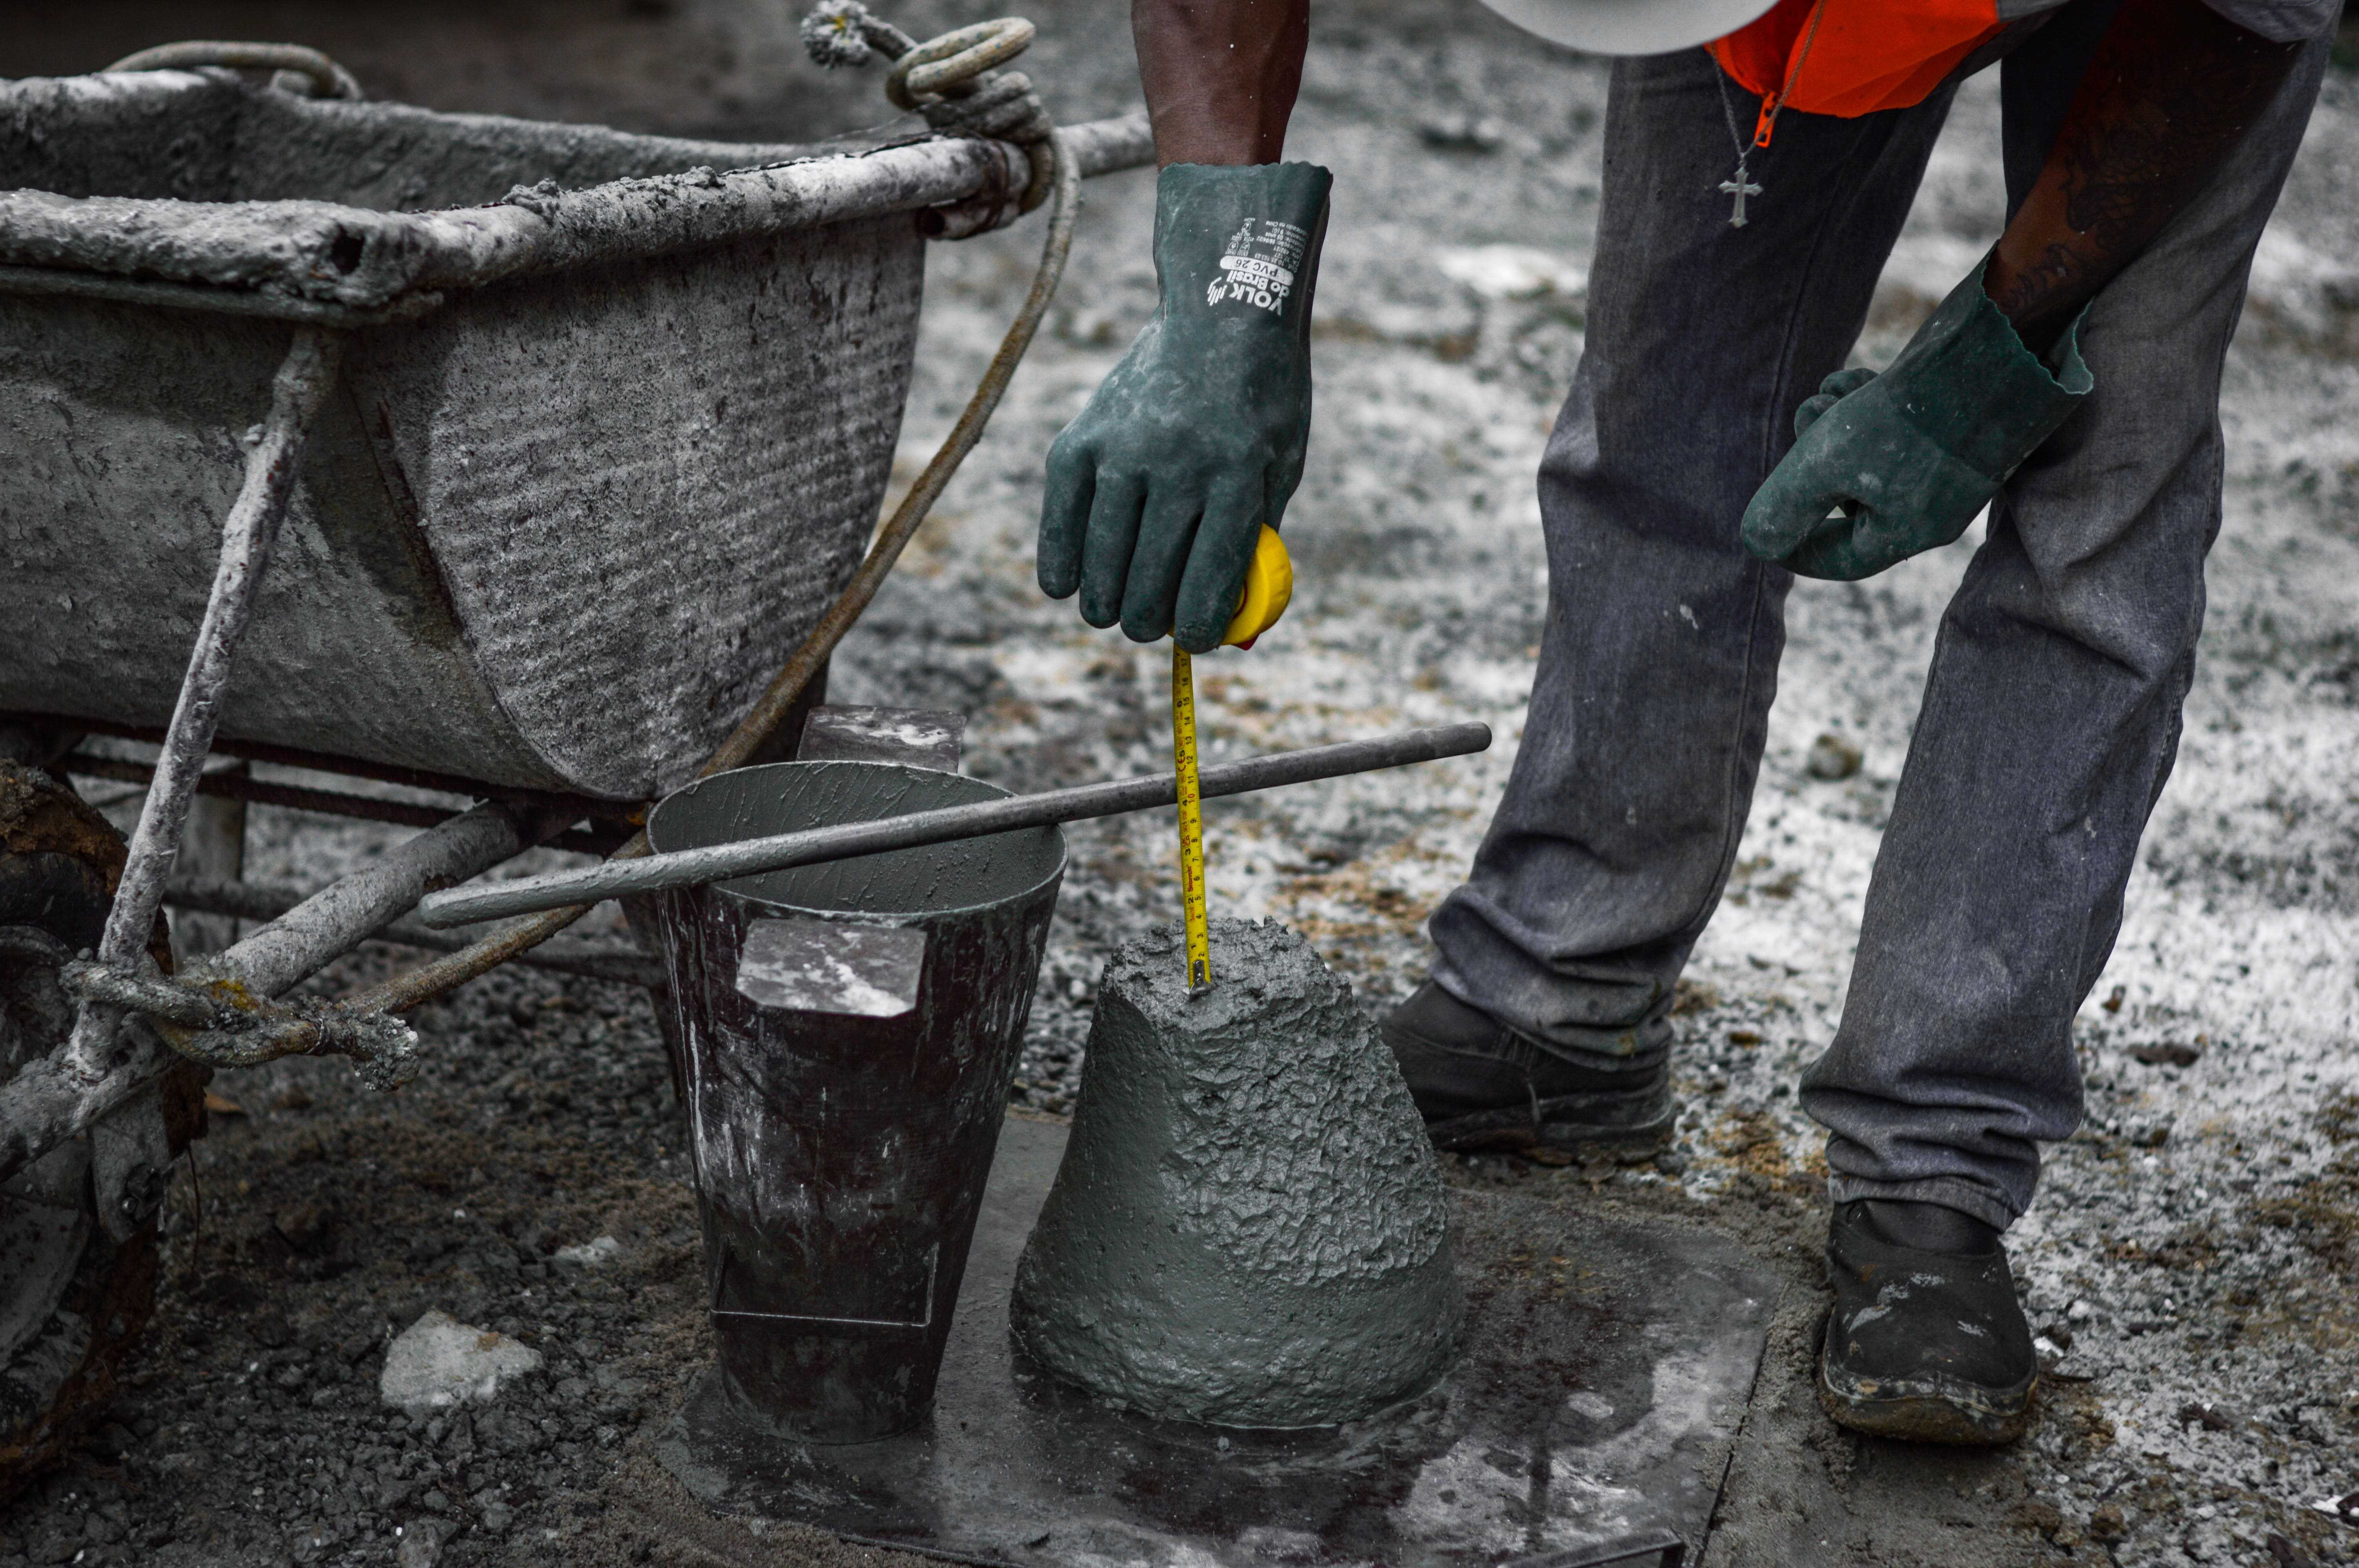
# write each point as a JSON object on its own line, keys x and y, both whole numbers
{"x": 1269, "y": 584}
{"x": 1192, "y": 819}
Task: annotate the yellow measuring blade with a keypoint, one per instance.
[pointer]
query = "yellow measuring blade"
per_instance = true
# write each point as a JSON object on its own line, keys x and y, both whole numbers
{"x": 1191, "y": 818}
{"x": 1269, "y": 585}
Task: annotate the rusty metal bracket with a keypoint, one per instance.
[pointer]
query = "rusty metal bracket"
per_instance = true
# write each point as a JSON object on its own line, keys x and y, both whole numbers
{"x": 383, "y": 1049}
{"x": 215, "y": 1020}
{"x": 130, "y": 1163}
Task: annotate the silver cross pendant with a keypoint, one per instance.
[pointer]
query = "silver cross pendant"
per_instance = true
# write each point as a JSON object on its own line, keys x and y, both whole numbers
{"x": 1740, "y": 188}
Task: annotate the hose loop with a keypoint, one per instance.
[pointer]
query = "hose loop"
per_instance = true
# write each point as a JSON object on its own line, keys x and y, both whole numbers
{"x": 954, "y": 79}
{"x": 935, "y": 68}
{"x": 328, "y": 78}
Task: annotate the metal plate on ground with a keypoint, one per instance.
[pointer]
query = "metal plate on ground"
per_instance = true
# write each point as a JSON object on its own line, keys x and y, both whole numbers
{"x": 1606, "y": 1366}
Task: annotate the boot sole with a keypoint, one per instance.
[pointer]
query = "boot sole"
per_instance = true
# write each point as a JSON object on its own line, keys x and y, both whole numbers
{"x": 1978, "y": 1418}
{"x": 1513, "y": 1131}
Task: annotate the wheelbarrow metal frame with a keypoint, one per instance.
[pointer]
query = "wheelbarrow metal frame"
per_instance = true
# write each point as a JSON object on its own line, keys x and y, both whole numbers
{"x": 406, "y": 265}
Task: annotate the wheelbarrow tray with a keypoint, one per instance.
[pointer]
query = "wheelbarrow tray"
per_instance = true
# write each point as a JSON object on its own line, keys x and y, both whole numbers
{"x": 613, "y": 430}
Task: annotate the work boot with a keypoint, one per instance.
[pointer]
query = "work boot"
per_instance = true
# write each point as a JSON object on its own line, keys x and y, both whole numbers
{"x": 1481, "y": 1085}
{"x": 1926, "y": 1339}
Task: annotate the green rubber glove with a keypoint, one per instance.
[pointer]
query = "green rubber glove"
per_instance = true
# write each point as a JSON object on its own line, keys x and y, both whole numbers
{"x": 1911, "y": 456}
{"x": 1158, "y": 492}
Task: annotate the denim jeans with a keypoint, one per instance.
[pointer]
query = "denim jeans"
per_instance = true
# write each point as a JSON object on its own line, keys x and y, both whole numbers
{"x": 2051, "y": 716}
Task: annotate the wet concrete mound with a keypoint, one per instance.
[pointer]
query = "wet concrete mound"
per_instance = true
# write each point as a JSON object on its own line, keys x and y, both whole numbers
{"x": 1248, "y": 1228}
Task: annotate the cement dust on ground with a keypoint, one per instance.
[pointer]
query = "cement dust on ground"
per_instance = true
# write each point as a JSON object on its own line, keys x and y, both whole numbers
{"x": 2194, "y": 1255}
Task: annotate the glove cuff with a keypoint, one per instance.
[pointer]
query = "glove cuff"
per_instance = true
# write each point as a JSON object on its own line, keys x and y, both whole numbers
{"x": 1978, "y": 392}
{"x": 1240, "y": 244}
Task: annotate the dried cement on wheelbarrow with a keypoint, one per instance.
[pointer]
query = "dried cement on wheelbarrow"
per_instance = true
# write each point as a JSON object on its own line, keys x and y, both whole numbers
{"x": 1248, "y": 1228}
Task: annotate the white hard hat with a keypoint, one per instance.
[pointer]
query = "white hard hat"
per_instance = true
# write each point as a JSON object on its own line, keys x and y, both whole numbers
{"x": 1629, "y": 26}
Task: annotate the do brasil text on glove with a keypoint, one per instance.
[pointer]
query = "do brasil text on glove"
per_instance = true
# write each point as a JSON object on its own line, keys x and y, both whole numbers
{"x": 1157, "y": 494}
{"x": 1910, "y": 456}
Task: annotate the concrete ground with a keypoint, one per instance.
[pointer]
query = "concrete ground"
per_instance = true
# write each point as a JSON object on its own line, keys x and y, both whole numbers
{"x": 2194, "y": 1252}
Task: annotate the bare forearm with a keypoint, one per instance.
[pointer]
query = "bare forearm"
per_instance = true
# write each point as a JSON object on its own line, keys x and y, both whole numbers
{"x": 2164, "y": 101}
{"x": 1220, "y": 75}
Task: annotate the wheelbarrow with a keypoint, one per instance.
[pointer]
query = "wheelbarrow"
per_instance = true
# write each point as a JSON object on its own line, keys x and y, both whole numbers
{"x": 531, "y": 463}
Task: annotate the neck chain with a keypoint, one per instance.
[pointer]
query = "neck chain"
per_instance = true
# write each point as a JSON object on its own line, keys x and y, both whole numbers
{"x": 1740, "y": 186}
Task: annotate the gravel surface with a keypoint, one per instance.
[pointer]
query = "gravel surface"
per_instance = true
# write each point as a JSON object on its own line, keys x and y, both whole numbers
{"x": 2194, "y": 1252}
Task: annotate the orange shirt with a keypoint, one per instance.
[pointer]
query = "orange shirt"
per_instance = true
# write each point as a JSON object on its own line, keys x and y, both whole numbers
{"x": 1866, "y": 55}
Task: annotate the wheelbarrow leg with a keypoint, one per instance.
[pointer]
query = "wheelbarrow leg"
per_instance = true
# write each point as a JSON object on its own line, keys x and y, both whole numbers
{"x": 131, "y": 1149}
{"x": 272, "y": 455}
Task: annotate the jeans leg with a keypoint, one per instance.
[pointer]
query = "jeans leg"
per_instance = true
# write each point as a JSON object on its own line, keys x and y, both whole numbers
{"x": 2050, "y": 718}
{"x": 1624, "y": 809}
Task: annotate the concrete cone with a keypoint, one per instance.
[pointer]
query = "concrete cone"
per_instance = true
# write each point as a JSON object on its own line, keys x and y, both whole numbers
{"x": 1248, "y": 1228}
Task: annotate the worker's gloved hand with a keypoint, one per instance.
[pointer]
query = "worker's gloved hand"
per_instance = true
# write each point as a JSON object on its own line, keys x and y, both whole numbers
{"x": 1910, "y": 456}
{"x": 1158, "y": 492}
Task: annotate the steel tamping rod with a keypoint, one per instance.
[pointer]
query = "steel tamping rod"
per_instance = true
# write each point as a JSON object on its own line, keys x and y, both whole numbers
{"x": 749, "y": 857}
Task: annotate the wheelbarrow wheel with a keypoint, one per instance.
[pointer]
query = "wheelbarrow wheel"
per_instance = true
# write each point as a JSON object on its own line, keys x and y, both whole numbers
{"x": 73, "y": 1302}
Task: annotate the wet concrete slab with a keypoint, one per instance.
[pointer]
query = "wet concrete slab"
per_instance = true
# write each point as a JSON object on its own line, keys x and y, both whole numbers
{"x": 1607, "y": 1366}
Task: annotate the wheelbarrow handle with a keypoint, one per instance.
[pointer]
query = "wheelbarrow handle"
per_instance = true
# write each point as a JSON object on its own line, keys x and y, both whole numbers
{"x": 749, "y": 856}
{"x": 1109, "y": 146}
